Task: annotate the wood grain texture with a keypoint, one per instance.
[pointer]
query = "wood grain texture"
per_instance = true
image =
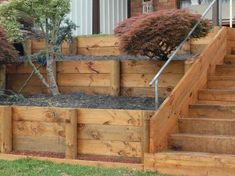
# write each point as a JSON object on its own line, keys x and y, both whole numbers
{"x": 39, "y": 143}
{"x": 109, "y": 132}
{"x": 38, "y": 114}
{"x": 142, "y": 80}
{"x": 164, "y": 122}
{"x": 203, "y": 143}
{"x": 99, "y": 51}
{"x": 97, "y": 77}
{"x": 110, "y": 117}
{"x": 212, "y": 111}
{"x": 190, "y": 163}
{"x": 150, "y": 67}
{"x": 111, "y": 148}
{"x": 115, "y": 78}
{"x": 95, "y": 67}
{"x": 86, "y": 80}
{"x": 37, "y": 128}
{"x": 6, "y": 129}
{"x": 71, "y": 141}
{"x": 96, "y": 41}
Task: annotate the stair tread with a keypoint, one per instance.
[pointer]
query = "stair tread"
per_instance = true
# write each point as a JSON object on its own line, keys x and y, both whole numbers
{"x": 203, "y": 136}
{"x": 201, "y": 105}
{"x": 227, "y": 66}
{"x": 209, "y": 119}
{"x": 219, "y": 78}
{"x": 214, "y": 102}
{"x": 196, "y": 154}
{"x": 218, "y": 90}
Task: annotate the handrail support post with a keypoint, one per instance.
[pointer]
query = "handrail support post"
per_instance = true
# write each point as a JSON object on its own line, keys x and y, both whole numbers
{"x": 215, "y": 13}
{"x": 156, "y": 94}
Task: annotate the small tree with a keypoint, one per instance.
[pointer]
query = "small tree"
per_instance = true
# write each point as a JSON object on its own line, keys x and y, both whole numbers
{"x": 48, "y": 16}
{"x": 7, "y": 51}
{"x": 157, "y": 34}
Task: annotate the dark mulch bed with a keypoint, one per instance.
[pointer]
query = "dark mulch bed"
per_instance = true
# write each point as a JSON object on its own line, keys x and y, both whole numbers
{"x": 80, "y": 157}
{"x": 81, "y": 100}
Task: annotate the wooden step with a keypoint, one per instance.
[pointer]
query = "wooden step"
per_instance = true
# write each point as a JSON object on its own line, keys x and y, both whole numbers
{"x": 225, "y": 70}
{"x": 217, "y": 95}
{"x": 229, "y": 59}
{"x": 207, "y": 126}
{"x": 224, "y": 103}
{"x": 212, "y": 111}
{"x": 190, "y": 163}
{"x": 203, "y": 143}
{"x": 221, "y": 82}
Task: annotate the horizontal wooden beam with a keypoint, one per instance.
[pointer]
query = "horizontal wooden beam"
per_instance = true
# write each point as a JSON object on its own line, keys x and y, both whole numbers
{"x": 99, "y": 164}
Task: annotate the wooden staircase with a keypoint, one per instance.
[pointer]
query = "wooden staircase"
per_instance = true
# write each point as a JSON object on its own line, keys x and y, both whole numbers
{"x": 210, "y": 125}
{"x": 193, "y": 132}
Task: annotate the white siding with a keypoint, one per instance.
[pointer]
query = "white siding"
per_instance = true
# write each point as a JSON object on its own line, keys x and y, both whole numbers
{"x": 112, "y": 12}
{"x": 81, "y": 15}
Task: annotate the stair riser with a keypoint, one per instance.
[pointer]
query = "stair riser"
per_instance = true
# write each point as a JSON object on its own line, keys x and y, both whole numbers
{"x": 214, "y": 112}
{"x": 209, "y": 127}
{"x": 225, "y": 72}
{"x": 216, "y": 96}
{"x": 203, "y": 144}
{"x": 229, "y": 60}
{"x": 226, "y": 84}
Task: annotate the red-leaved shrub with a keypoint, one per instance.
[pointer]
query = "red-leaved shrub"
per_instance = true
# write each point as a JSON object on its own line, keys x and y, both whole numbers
{"x": 7, "y": 51}
{"x": 157, "y": 34}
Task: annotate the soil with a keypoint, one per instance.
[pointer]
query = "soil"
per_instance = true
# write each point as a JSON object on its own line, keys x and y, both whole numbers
{"x": 80, "y": 157}
{"x": 81, "y": 100}
{"x": 120, "y": 57}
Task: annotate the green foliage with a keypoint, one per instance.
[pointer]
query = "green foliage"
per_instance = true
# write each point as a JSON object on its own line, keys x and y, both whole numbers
{"x": 28, "y": 167}
{"x": 11, "y": 95}
{"x": 157, "y": 34}
{"x": 46, "y": 15}
{"x": 7, "y": 51}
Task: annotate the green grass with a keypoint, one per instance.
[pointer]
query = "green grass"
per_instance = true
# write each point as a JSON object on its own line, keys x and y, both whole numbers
{"x": 28, "y": 167}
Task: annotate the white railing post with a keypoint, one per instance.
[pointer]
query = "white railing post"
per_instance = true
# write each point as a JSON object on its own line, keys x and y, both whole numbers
{"x": 220, "y": 12}
{"x": 231, "y": 13}
{"x": 156, "y": 94}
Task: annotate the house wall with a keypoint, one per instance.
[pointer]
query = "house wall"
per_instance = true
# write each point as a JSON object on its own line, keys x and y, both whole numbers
{"x": 136, "y": 5}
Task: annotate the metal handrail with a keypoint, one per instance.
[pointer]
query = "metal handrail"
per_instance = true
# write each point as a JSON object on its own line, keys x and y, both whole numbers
{"x": 156, "y": 77}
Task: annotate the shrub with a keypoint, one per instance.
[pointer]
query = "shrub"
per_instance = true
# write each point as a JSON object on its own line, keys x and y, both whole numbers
{"x": 157, "y": 34}
{"x": 50, "y": 17}
{"x": 7, "y": 51}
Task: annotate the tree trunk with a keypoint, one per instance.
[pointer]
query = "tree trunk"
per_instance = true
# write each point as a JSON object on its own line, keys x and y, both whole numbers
{"x": 51, "y": 77}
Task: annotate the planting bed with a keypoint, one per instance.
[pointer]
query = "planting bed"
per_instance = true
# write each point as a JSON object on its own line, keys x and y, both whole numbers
{"x": 81, "y": 100}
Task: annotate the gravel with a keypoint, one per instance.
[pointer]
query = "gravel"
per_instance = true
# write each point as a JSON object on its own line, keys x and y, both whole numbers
{"x": 81, "y": 100}
{"x": 120, "y": 57}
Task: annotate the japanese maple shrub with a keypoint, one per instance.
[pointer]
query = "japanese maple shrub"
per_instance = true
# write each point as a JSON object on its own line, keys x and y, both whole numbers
{"x": 7, "y": 51}
{"x": 157, "y": 34}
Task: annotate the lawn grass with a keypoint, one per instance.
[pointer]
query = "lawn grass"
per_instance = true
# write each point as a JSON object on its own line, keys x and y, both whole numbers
{"x": 29, "y": 167}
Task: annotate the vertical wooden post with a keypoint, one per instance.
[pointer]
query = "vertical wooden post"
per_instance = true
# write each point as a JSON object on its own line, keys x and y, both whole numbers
{"x": 146, "y": 131}
{"x": 115, "y": 78}
{"x": 71, "y": 140}
{"x": 187, "y": 64}
{"x": 6, "y": 129}
{"x": 2, "y": 76}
